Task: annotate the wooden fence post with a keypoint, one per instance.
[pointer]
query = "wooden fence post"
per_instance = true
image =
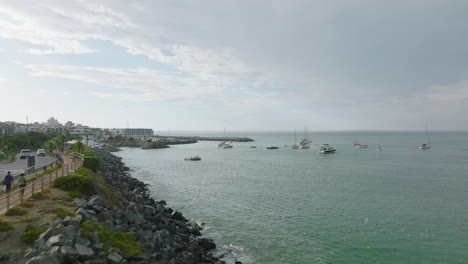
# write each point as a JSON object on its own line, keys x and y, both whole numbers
{"x": 42, "y": 183}
{"x": 8, "y": 201}
{"x": 33, "y": 187}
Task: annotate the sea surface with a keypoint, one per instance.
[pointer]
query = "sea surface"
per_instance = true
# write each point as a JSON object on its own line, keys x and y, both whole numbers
{"x": 400, "y": 205}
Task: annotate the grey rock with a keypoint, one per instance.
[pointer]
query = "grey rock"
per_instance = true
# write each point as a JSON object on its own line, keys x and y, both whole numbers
{"x": 84, "y": 252}
{"x": 96, "y": 203}
{"x": 83, "y": 241}
{"x": 85, "y": 214}
{"x": 58, "y": 240}
{"x": 70, "y": 232}
{"x": 43, "y": 259}
{"x": 80, "y": 202}
{"x": 73, "y": 220}
{"x": 70, "y": 254}
{"x": 56, "y": 252}
{"x": 114, "y": 258}
{"x": 53, "y": 230}
{"x": 39, "y": 243}
{"x": 98, "y": 246}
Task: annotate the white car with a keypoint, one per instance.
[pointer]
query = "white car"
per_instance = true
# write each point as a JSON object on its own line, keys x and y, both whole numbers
{"x": 41, "y": 152}
{"x": 25, "y": 153}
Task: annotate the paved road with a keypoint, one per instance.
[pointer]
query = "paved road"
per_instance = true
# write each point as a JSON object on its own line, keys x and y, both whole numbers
{"x": 20, "y": 165}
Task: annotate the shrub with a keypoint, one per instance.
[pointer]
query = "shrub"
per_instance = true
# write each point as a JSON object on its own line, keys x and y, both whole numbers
{"x": 91, "y": 162}
{"x": 27, "y": 205}
{"x": 16, "y": 211}
{"x": 5, "y": 226}
{"x": 79, "y": 182}
{"x": 113, "y": 240}
{"x": 32, "y": 234}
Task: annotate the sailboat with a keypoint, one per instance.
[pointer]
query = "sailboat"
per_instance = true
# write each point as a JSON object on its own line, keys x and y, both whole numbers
{"x": 425, "y": 145}
{"x": 305, "y": 142}
{"x": 295, "y": 146}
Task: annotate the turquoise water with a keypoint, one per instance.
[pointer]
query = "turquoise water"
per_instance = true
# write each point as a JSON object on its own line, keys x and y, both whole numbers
{"x": 401, "y": 205}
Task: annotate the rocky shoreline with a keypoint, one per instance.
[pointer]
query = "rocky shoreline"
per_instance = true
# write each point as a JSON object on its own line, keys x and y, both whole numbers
{"x": 165, "y": 235}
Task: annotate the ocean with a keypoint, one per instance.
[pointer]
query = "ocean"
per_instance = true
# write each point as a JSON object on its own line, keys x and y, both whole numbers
{"x": 358, "y": 205}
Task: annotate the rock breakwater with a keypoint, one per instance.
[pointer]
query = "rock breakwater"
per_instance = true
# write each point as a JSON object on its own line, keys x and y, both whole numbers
{"x": 99, "y": 231}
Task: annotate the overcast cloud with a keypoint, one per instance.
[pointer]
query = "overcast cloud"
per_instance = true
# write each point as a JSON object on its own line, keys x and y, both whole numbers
{"x": 245, "y": 65}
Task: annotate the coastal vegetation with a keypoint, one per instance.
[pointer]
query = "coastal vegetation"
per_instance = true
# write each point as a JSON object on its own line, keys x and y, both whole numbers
{"x": 113, "y": 240}
{"x": 31, "y": 234}
{"x": 5, "y": 226}
{"x": 79, "y": 182}
{"x": 16, "y": 211}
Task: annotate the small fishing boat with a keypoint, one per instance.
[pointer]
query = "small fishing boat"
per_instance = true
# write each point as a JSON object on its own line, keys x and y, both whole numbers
{"x": 361, "y": 146}
{"x": 326, "y": 149}
{"x": 253, "y": 146}
{"x": 379, "y": 148}
{"x": 194, "y": 158}
{"x": 272, "y": 147}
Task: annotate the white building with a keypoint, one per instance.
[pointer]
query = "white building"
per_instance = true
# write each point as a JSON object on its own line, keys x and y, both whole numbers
{"x": 136, "y": 132}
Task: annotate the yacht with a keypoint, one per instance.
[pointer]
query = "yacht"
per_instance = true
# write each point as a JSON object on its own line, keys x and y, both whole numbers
{"x": 424, "y": 146}
{"x": 361, "y": 146}
{"x": 326, "y": 148}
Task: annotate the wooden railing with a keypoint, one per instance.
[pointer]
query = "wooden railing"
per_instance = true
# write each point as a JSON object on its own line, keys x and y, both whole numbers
{"x": 18, "y": 195}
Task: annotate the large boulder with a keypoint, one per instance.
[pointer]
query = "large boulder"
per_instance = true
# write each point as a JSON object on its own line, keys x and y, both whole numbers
{"x": 58, "y": 240}
{"x": 84, "y": 252}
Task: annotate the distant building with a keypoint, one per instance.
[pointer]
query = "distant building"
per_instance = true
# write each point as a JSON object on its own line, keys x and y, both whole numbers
{"x": 69, "y": 124}
{"x": 136, "y": 132}
{"x": 6, "y": 128}
{"x": 53, "y": 123}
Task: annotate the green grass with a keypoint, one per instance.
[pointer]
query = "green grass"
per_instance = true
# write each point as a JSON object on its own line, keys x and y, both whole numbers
{"x": 5, "y": 226}
{"x": 113, "y": 240}
{"x": 32, "y": 234}
{"x": 59, "y": 212}
{"x": 27, "y": 205}
{"x": 39, "y": 196}
{"x": 75, "y": 194}
{"x": 29, "y": 220}
{"x": 16, "y": 211}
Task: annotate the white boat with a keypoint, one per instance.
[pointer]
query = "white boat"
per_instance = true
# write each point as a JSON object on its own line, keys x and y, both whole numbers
{"x": 379, "y": 148}
{"x": 224, "y": 145}
{"x": 425, "y": 145}
{"x": 326, "y": 149}
{"x": 305, "y": 142}
{"x": 361, "y": 146}
{"x": 295, "y": 146}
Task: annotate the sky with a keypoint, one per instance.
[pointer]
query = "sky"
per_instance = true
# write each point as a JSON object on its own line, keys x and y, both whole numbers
{"x": 240, "y": 65}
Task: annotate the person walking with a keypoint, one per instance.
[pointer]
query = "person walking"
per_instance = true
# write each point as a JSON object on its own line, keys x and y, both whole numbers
{"x": 8, "y": 181}
{"x": 22, "y": 184}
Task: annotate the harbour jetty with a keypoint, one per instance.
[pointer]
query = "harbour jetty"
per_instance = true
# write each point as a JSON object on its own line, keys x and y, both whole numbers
{"x": 205, "y": 138}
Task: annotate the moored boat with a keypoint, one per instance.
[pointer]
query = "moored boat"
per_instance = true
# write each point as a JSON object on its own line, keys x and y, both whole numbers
{"x": 326, "y": 148}
{"x": 272, "y": 147}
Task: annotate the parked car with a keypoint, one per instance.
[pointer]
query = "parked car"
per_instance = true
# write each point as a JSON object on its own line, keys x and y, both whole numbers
{"x": 41, "y": 153}
{"x": 25, "y": 153}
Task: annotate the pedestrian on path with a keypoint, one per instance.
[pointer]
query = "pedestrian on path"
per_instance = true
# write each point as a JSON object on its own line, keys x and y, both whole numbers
{"x": 8, "y": 181}
{"x": 22, "y": 184}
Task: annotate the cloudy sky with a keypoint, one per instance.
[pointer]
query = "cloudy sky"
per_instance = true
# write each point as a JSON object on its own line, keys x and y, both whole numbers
{"x": 239, "y": 65}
